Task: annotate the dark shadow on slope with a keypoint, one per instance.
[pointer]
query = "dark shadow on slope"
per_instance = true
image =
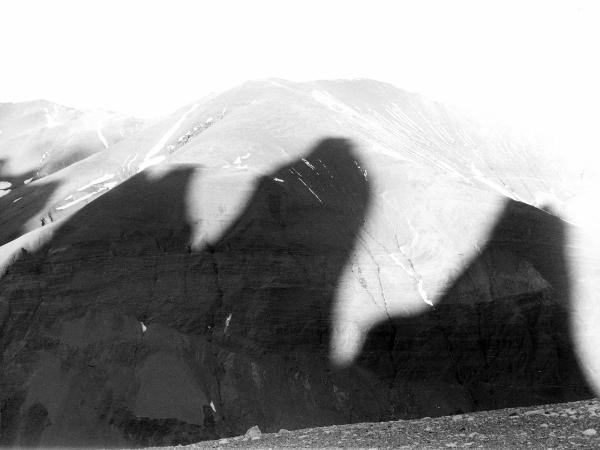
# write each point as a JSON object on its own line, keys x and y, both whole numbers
{"x": 77, "y": 301}
{"x": 140, "y": 218}
{"x": 117, "y": 321}
{"x": 118, "y": 296}
{"x": 499, "y": 337}
{"x": 23, "y": 203}
{"x": 279, "y": 264}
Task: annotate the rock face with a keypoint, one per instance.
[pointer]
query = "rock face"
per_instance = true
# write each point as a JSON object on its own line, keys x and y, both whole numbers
{"x": 274, "y": 270}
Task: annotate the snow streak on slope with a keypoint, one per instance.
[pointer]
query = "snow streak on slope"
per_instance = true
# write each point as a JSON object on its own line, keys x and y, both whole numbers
{"x": 411, "y": 272}
{"x": 101, "y": 137}
{"x": 151, "y": 159}
{"x": 333, "y": 103}
{"x": 104, "y": 187}
{"x": 74, "y": 202}
{"x": 97, "y": 181}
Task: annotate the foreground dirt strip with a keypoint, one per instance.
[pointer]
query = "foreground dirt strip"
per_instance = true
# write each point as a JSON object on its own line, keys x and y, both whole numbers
{"x": 564, "y": 425}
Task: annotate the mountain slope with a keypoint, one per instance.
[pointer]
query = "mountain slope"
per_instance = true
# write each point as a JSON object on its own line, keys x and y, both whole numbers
{"x": 290, "y": 255}
{"x": 38, "y": 139}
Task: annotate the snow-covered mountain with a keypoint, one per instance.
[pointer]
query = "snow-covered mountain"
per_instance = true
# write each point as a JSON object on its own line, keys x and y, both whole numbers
{"x": 286, "y": 254}
{"x": 38, "y": 139}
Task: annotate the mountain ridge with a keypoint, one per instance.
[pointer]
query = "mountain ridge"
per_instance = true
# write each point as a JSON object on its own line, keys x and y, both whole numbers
{"x": 289, "y": 256}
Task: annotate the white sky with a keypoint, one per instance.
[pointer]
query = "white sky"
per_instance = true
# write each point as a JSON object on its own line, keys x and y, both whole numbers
{"x": 532, "y": 63}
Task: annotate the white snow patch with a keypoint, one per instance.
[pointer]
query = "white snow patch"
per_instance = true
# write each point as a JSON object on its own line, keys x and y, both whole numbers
{"x": 101, "y": 137}
{"x": 150, "y": 162}
{"x": 28, "y": 180}
{"x": 44, "y": 156}
{"x": 237, "y": 163}
{"x": 411, "y": 272}
{"x": 212, "y": 405}
{"x": 332, "y": 103}
{"x": 74, "y": 202}
{"x": 423, "y": 292}
{"x": 308, "y": 164}
{"x": 97, "y": 181}
{"x": 17, "y": 199}
{"x": 239, "y": 159}
{"x": 279, "y": 180}
{"x": 150, "y": 159}
{"x": 311, "y": 191}
{"x": 104, "y": 187}
{"x": 51, "y": 121}
{"x": 228, "y": 320}
{"x": 5, "y": 184}
{"x": 4, "y": 192}
{"x": 144, "y": 327}
{"x": 316, "y": 196}
{"x": 109, "y": 185}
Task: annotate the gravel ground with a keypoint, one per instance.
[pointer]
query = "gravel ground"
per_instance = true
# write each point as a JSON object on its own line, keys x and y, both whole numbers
{"x": 565, "y": 425}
